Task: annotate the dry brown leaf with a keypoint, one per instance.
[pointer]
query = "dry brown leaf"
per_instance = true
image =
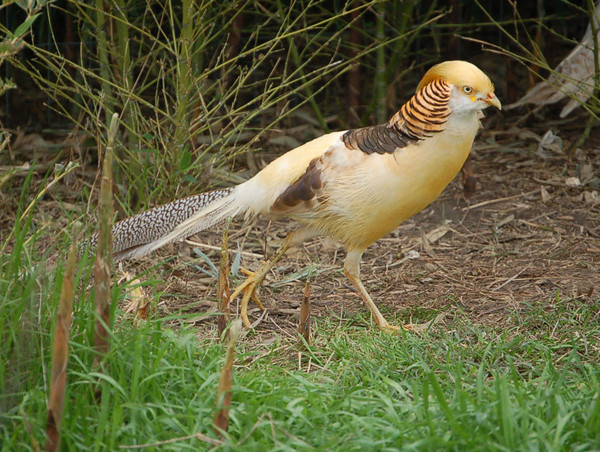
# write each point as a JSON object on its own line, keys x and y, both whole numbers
{"x": 549, "y": 145}
{"x": 544, "y": 194}
{"x": 427, "y": 245}
{"x": 591, "y": 197}
{"x": 587, "y": 173}
{"x": 505, "y": 221}
{"x": 437, "y": 233}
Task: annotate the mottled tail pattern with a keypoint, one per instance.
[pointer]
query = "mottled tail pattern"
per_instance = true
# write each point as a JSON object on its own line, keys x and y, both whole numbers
{"x": 132, "y": 235}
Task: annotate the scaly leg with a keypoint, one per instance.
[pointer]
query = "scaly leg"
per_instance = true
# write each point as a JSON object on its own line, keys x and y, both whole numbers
{"x": 250, "y": 286}
{"x": 352, "y": 271}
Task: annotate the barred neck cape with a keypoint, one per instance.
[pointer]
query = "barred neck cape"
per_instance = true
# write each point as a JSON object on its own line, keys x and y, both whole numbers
{"x": 422, "y": 116}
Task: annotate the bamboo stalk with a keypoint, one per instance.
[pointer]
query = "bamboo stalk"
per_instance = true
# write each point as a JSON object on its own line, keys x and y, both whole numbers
{"x": 124, "y": 65}
{"x": 102, "y": 273}
{"x": 379, "y": 84}
{"x": 60, "y": 353}
{"x": 221, "y": 420}
{"x": 304, "y": 322}
{"x": 354, "y": 73}
{"x": 102, "y": 50}
{"x": 224, "y": 292}
{"x": 592, "y": 120}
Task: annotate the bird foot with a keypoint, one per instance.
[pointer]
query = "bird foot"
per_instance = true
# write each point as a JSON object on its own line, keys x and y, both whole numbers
{"x": 390, "y": 329}
{"x": 412, "y": 327}
{"x": 422, "y": 327}
{"x": 249, "y": 288}
{"x": 415, "y": 327}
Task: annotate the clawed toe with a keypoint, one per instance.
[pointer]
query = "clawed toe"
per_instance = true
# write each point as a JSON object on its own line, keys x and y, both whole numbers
{"x": 412, "y": 327}
{"x": 391, "y": 329}
{"x": 249, "y": 289}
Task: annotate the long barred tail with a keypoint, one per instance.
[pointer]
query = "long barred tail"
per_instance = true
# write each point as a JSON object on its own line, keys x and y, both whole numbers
{"x": 147, "y": 231}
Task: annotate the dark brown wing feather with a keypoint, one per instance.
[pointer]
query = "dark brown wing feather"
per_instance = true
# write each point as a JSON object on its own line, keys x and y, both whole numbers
{"x": 303, "y": 190}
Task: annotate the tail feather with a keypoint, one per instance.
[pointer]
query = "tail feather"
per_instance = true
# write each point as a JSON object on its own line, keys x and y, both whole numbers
{"x": 147, "y": 231}
{"x": 181, "y": 221}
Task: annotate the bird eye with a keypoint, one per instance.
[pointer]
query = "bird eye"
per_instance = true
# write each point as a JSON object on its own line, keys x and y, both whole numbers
{"x": 467, "y": 89}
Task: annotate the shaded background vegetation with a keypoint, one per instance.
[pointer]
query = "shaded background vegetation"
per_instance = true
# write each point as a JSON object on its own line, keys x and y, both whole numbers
{"x": 197, "y": 85}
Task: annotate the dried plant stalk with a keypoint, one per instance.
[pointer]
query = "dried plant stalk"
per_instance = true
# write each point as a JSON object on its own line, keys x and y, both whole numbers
{"x": 304, "y": 323}
{"x": 60, "y": 353}
{"x": 224, "y": 292}
{"x": 354, "y": 73}
{"x": 221, "y": 420}
{"x": 102, "y": 274}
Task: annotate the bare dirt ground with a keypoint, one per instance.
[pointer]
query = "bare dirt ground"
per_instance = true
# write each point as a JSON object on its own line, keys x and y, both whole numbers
{"x": 529, "y": 236}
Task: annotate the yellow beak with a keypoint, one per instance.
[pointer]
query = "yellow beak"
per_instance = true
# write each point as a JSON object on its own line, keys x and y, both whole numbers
{"x": 493, "y": 100}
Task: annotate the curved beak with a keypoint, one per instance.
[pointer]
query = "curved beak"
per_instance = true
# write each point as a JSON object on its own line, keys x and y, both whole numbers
{"x": 492, "y": 100}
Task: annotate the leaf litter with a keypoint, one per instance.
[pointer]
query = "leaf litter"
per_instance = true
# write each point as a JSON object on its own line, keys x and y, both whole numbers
{"x": 528, "y": 234}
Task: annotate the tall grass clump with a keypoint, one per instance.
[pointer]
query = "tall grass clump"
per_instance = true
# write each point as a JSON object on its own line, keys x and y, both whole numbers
{"x": 196, "y": 84}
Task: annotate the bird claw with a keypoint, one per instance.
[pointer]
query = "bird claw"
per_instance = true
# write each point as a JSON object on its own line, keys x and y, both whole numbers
{"x": 249, "y": 288}
{"x": 421, "y": 327}
{"x": 390, "y": 329}
{"x": 414, "y": 327}
{"x": 395, "y": 329}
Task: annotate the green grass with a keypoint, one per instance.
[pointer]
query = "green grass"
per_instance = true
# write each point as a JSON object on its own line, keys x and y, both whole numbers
{"x": 531, "y": 385}
{"x": 462, "y": 386}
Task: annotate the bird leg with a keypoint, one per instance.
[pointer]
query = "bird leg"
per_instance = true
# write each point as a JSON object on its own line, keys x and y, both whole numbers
{"x": 250, "y": 286}
{"x": 352, "y": 271}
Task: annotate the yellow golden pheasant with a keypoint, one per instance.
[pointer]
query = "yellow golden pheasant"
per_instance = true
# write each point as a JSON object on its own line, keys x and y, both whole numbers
{"x": 355, "y": 186}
